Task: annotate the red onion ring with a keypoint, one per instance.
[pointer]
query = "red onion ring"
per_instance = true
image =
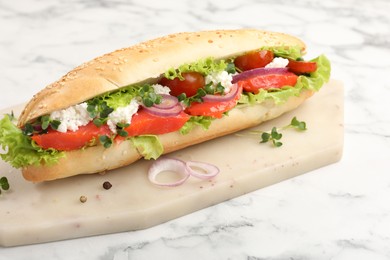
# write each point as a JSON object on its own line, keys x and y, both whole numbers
{"x": 167, "y": 102}
{"x": 220, "y": 98}
{"x": 169, "y": 106}
{"x": 174, "y": 111}
{"x": 210, "y": 170}
{"x": 258, "y": 72}
{"x": 168, "y": 164}
{"x": 184, "y": 168}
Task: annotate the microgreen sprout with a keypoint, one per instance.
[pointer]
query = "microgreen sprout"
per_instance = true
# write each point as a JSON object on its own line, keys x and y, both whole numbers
{"x": 121, "y": 129}
{"x": 46, "y": 121}
{"x": 106, "y": 141}
{"x": 231, "y": 68}
{"x": 274, "y": 136}
{"x": 299, "y": 125}
{"x": 148, "y": 96}
{"x": 4, "y": 185}
{"x": 196, "y": 98}
{"x": 41, "y": 125}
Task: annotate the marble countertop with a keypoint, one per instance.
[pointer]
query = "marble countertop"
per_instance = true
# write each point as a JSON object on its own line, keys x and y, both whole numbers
{"x": 337, "y": 212}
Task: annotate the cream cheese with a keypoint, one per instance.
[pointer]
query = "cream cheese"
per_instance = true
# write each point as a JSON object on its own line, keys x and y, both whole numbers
{"x": 277, "y": 63}
{"x": 222, "y": 77}
{"x": 160, "y": 89}
{"x": 122, "y": 115}
{"x": 71, "y": 118}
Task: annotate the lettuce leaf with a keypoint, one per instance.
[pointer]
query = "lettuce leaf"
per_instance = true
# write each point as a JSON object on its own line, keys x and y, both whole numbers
{"x": 149, "y": 146}
{"x": 20, "y": 150}
{"x": 313, "y": 82}
{"x": 120, "y": 98}
{"x": 202, "y": 121}
{"x": 320, "y": 76}
{"x": 115, "y": 99}
{"x": 203, "y": 66}
{"x": 293, "y": 52}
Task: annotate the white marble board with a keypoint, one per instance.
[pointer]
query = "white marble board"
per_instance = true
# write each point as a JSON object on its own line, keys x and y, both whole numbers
{"x": 35, "y": 213}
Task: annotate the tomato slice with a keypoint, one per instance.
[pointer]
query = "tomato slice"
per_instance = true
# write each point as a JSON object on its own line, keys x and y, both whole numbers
{"x": 254, "y": 60}
{"x": 268, "y": 81}
{"x": 213, "y": 109}
{"x": 145, "y": 123}
{"x": 190, "y": 85}
{"x": 301, "y": 67}
{"x": 70, "y": 140}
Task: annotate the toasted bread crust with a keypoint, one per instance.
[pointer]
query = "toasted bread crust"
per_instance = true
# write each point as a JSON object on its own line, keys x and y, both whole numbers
{"x": 146, "y": 62}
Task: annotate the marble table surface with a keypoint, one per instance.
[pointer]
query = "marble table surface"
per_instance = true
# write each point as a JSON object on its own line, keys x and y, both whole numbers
{"x": 338, "y": 212}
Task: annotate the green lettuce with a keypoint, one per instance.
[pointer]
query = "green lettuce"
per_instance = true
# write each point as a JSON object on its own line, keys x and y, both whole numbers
{"x": 293, "y": 52}
{"x": 149, "y": 146}
{"x": 320, "y": 76}
{"x": 120, "y": 98}
{"x": 202, "y": 121}
{"x": 203, "y": 66}
{"x": 313, "y": 82}
{"x": 20, "y": 150}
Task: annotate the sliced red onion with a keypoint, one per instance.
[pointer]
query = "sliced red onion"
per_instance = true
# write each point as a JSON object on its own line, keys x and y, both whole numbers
{"x": 185, "y": 169}
{"x": 169, "y": 106}
{"x": 220, "y": 98}
{"x": 210, "y": 170}
{"x": 174, "y": 111}
{"x": 167, "y": 102}
{"x": 37, "y": 128}
{"x": 258, "y": 72}
{"x": 168, "y": 164}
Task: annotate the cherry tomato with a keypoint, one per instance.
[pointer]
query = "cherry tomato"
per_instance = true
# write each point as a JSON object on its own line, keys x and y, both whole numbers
{"x": 254, "y": 60}
{"x": 70, "y": 140}
{"x": 190, "y": 85}
{"x": 268, "y": 81}
{"x": 301, "y": 67}
{"x": 213, "y": 109}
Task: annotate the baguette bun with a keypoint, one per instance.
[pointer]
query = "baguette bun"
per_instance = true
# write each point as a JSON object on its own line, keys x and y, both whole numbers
{"x": 145, "y": 62}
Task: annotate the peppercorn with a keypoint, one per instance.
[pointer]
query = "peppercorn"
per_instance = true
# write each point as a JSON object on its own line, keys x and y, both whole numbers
{"x": 83, "y": 199}
{"x": 107, "y": 185}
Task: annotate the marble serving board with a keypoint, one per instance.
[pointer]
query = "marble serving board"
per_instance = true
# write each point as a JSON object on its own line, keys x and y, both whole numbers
{"x": 41, "y": 212}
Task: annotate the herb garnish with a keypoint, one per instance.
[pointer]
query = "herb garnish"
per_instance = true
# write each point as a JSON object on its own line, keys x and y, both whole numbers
{"x": 121, "y": 129}
{"x": 106, "y": 141}
{"x": 4, "y": 185}
{"x": 41, "y": 125}
{"x": 208, "y": 89}
{"x": 195, "y": 98}
{"x": 274, "y": 136}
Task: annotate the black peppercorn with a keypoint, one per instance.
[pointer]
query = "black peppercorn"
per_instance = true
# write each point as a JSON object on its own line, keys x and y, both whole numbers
{"x": 107, "y": 185}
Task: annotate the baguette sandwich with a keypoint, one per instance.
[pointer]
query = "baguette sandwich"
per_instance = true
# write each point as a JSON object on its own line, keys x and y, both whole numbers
{"x": 157, "y": 97}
